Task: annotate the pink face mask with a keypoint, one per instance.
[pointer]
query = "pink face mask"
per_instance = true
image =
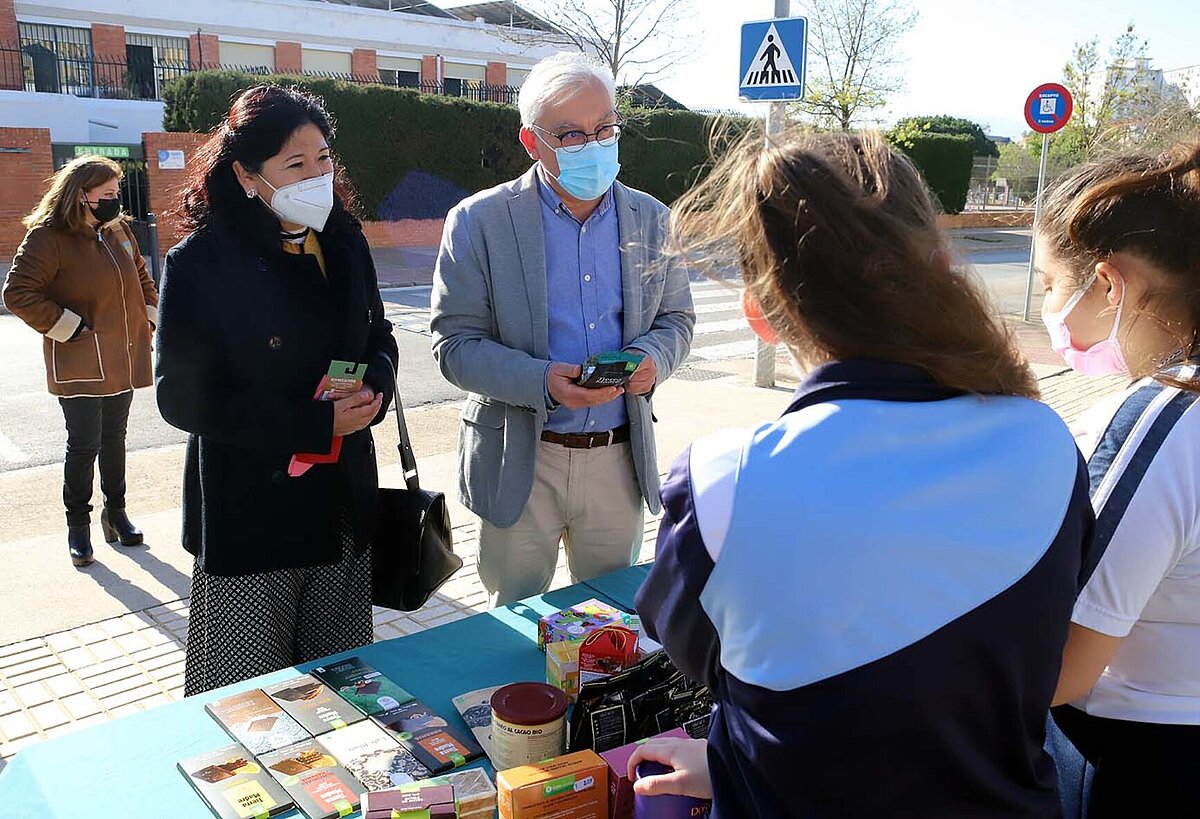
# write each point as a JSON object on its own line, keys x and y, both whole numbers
{"x": 1103, "y": 357}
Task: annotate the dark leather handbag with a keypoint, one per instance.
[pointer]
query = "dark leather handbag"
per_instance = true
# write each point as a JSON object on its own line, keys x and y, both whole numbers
{"x": 413, "y": 550}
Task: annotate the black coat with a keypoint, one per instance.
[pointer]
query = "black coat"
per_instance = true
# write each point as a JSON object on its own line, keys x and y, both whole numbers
{"x": 246, "y": 331}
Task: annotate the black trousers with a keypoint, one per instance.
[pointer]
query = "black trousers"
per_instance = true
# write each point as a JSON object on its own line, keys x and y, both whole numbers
{"x": 1142, "y": 768}
{"x": 95, "y": 427}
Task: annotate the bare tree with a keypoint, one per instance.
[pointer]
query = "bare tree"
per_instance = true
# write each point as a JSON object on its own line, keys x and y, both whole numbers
{"x": 852, "y": 57}
{"x": 637, "y": 39}
{"x": 1121, "y": 102}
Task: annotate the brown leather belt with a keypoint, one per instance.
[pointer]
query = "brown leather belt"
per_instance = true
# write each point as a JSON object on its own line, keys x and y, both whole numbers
{"x": 587, "y": 440}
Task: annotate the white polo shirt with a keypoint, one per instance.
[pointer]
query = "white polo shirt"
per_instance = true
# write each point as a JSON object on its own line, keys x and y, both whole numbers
{"x": 1143, "y": 452}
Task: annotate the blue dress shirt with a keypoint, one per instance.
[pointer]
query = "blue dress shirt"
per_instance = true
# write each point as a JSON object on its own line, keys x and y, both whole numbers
{"x": 585, "y": 302}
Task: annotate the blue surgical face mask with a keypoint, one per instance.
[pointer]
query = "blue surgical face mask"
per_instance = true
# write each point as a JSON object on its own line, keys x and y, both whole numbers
{"x": 588, "y": 174}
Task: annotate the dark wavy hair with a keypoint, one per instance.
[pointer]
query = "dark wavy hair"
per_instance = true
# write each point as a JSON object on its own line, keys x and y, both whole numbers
{"x": 260, "y": 121}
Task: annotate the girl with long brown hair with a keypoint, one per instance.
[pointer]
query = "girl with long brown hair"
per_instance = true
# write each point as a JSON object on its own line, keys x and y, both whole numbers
{"x": 80, "y": 280}
{"x": 1119, "y": 257}
{"x": 877, "y": 585}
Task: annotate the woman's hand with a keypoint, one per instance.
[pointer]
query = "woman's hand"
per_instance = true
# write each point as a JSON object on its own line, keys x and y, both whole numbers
{"x": 355, "y": 410}
{"x": 689, "y": 758}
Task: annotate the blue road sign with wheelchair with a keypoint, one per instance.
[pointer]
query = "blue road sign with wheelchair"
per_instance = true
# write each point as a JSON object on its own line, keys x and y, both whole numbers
{"x": 773, "y": 58}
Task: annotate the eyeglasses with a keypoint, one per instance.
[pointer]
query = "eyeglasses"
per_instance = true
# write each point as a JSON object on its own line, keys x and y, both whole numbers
{"x": 575, "y": 141}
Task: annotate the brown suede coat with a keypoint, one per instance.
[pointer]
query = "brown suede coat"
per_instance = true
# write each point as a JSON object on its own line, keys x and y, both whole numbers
{"x": 59, "y": 279}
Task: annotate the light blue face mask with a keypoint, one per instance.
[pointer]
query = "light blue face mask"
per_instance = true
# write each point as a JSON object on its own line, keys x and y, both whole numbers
{"x": 588, "y": 174}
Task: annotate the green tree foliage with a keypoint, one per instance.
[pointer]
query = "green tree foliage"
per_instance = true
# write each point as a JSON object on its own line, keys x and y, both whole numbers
{"x": 385, "y": 134}
{"x": 945, "y": 162}
{"x": 943, "y": 124}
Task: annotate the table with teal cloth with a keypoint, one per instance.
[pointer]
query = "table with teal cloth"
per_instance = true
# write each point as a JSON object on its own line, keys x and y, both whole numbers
{"x": 126, "y": 768}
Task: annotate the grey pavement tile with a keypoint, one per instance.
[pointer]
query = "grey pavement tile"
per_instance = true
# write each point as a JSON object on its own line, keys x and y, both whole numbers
{"x": 32, "y": 694}
{"x": 81, "y": 706}
{"x": 17, "y": 725}
{"x": 49, "y": 715}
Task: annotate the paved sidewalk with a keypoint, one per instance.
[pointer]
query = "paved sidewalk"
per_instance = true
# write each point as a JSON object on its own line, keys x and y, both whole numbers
{"x": 86, "y": 674}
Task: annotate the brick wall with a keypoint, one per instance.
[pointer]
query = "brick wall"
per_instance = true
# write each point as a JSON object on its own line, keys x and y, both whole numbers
{"x": 429, "y": 69}
{"x": 288, "y": 58}
{"x": 405, "y": 233}
{"x": 8, "y": 23}
{"x": 10, "y": 63}
{"x": 22, "y": 180}
{"x": 108, "y": 44}
{"x": 497, "y": 74}
{"x": 364, "y": 62}
{"x": 204, "y": 50}
{"x": 166, "y": 185}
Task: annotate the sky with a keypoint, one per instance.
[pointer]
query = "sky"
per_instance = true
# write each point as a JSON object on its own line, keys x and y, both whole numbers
{"x": 977, "y": 59}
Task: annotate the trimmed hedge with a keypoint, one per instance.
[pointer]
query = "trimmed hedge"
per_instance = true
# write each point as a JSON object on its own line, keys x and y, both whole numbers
{"x": 412, "y": 155}
{"x": 945, "y": 161}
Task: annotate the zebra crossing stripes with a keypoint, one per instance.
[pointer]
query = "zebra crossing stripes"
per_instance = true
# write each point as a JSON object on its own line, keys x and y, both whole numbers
{"x": 721, "y": 331}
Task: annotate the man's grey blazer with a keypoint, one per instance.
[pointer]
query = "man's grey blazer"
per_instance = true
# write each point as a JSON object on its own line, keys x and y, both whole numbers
{"x": 491, "y": 338}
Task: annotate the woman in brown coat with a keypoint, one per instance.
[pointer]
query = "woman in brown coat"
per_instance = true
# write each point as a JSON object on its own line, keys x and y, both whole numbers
{"x": 79, "y": 280}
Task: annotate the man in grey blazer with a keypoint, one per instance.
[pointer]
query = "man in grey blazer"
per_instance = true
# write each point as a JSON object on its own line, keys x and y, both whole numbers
{"x": 532, "y": 278}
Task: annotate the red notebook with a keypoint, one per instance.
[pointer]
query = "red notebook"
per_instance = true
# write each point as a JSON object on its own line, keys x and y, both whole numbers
{"x": 303, "y": 461}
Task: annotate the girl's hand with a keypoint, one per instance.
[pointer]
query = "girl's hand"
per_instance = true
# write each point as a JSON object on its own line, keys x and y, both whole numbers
{"x": 689, "y": 758}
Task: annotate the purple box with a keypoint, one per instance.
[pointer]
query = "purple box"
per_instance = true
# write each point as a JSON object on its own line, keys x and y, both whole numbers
{"x": 620, "y": 786}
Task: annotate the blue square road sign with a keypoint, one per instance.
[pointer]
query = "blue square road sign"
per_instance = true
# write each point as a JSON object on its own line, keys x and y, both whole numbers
{"x": 774, "y": 54}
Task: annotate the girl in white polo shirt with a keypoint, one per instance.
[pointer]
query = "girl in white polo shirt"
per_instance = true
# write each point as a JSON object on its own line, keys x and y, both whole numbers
{"x": 1119, "y": 257}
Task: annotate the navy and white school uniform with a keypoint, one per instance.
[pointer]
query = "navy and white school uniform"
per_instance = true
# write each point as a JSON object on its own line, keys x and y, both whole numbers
{"x": 876, "y": 587}
{"x": 1140, "y": 724}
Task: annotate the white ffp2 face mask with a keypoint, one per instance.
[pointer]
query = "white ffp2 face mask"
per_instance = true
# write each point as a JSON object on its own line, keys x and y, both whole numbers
{"x": 307, "y": 202}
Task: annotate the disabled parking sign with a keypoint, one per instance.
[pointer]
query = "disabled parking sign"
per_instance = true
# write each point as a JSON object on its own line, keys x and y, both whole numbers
{"x": 773, "y": 58}
{"x": 1048, "y": 108}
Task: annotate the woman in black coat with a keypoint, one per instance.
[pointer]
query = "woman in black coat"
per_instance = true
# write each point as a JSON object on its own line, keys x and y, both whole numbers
{"x": 274, "y": 284}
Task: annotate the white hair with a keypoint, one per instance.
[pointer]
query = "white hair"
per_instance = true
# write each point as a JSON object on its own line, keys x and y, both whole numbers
{"x": 559, "y": 77}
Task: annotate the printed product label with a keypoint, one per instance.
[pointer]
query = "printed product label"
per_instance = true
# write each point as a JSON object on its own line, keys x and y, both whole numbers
{"x": 249, "y": 800}
{"x": 516, "y": 745}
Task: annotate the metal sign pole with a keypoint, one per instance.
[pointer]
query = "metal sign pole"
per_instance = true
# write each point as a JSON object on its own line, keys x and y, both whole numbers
{"x": 764, "y": 354}
{"x": 1037, "y": 218}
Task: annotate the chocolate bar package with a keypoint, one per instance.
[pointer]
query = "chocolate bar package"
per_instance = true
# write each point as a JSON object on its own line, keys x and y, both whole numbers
{"x": 648, "y": 699}
{"x": 314, "y": 705}
{"x": 235, "y": 786}
{"x": 372, "y": 756}
{"x": 362, "y": 686}
{"x": 257, "y": 721}
{"x": 319, "y": 786}
{"x": 429, "y": 737}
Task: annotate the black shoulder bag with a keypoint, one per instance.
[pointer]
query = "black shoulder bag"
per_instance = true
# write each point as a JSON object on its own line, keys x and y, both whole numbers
{"x": 413, "y": 550}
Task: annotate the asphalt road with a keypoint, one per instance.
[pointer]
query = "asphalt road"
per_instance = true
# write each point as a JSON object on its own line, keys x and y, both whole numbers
{"x": 31, "y": 425}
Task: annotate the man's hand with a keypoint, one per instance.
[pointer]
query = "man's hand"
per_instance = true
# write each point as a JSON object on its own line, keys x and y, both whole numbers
{"x": 355, "y": 411}
{"x": 688, "y": 758}
{"x": 560, "y": 383}
{"x": 644, "y": 378}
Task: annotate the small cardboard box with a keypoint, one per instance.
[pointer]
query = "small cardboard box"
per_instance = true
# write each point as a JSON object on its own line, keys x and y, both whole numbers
{"x": 474, "y": 793}
{"x": 410, "y": 803}
{"x": 578, "y": 622}
{"x": 574, "y": 786}
{"x": 620, "y": 786}
{"x": 562, "y": 666}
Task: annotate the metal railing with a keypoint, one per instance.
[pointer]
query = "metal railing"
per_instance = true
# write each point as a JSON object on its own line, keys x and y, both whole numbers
{"x": 34, "y": 67}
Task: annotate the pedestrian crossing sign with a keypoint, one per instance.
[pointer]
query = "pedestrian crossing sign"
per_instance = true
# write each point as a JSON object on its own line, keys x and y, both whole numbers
{"x": 773, "y": 59}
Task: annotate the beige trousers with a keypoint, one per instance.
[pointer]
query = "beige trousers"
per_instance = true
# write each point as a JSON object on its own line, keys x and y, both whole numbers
{"x": 587, "y": 498}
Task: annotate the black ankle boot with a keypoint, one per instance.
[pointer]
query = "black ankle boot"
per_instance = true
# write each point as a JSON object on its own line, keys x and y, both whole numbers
{"x": 116, "y": 526}
{"x": 79, "y": 543}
